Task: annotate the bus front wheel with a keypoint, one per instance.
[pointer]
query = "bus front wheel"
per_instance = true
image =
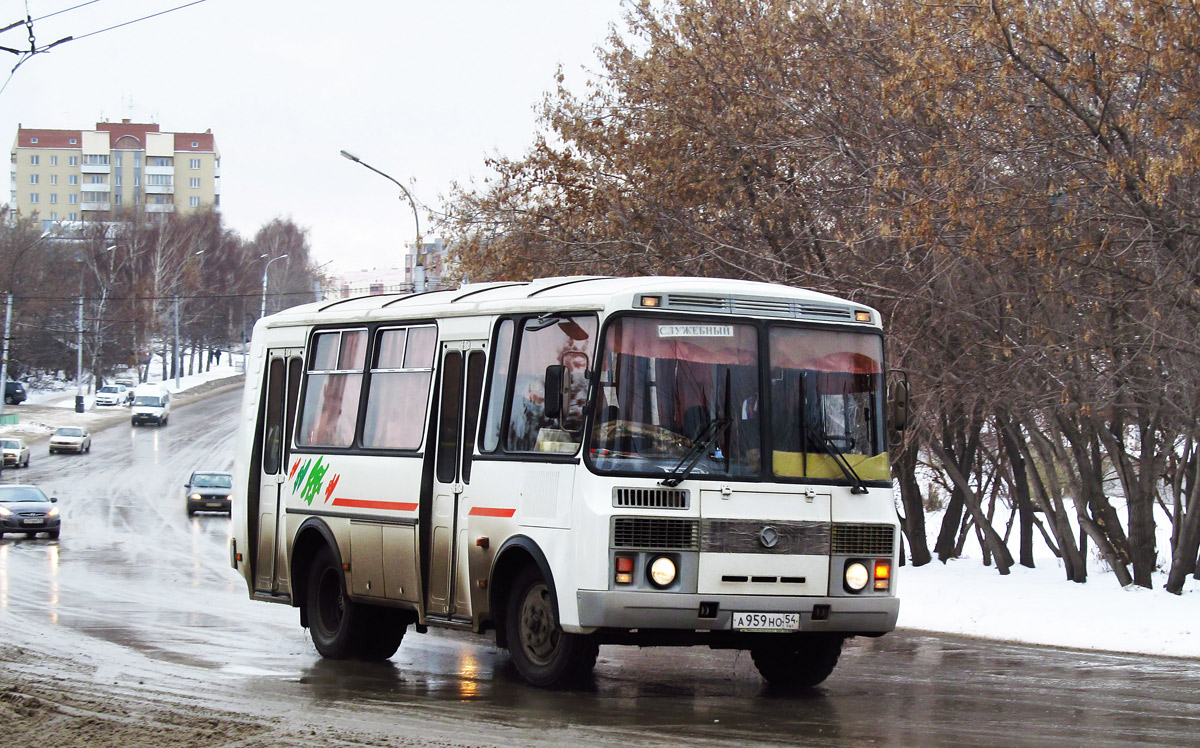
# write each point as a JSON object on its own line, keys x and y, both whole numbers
{"x": 337, "y": 624}
{"x": 543, "y": 654}
{"x": 798, "y": 661}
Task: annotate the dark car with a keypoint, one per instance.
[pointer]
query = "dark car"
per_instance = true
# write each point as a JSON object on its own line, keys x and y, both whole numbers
{"x": 24, "y": 508}
{"x": 14, "y": 393}
{"x": 209, "y": 492}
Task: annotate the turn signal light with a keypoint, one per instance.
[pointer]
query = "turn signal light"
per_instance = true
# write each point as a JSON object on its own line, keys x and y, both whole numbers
{"x": 883, "y": 573}
{"x": 624, "y": 570}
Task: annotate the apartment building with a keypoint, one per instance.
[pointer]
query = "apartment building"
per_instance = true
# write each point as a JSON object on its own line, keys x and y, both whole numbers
{"x": 115, "y": 170}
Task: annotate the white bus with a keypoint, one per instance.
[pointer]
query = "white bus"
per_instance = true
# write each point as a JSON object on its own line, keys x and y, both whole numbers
{"x": 572, "y": 462}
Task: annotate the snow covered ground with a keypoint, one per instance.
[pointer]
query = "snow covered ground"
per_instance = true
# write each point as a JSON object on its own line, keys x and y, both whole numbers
{"x": 1040, "y": 606}
{"x": 1037, "y": 606}
{"x": 64, "y": 396}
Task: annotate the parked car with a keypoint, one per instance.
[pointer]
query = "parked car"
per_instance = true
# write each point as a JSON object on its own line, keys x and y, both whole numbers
{"x": 151, "y": 404}
{"x": 114, "y": 394}
{"x": 25, "y": 508}
{"x": 127, "y": 383}
{"x": 71, "y": 439}
{"x": 16, "y": 452}
{"x": 14, "y": 393}
{"x": 209, "y": 492}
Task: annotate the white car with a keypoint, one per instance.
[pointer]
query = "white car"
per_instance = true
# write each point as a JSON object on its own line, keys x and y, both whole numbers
{"x": 16, "y": 452}
{"x": 71, "y": 439}
{"x": 113, "y": 394}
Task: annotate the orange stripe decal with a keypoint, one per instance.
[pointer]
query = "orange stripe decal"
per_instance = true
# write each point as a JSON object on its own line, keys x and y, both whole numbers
{"x": 399, "y": 506}
{"x": 487, "y": 511}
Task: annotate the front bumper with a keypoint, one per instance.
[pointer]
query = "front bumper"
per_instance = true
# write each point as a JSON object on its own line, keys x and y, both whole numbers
{"x": 211, "y": 504}
{"x": 621, "y": 609}
{"x": 10, "y": 460}
{"x": 19, "y": 524}
{"x": 146, "y": 418}
{"x": 72, "y": 447}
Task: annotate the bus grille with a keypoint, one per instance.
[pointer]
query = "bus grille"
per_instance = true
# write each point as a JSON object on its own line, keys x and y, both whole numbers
{"x": 863, "y": 540}
{"x": 655, "y": 533}
{"x": 651, "y": 498}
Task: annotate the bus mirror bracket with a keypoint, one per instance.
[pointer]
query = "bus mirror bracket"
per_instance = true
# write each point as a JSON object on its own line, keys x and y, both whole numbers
{"x": 899, "y": 393}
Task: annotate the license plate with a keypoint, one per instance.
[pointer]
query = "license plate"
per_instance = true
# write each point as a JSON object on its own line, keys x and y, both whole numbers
{"x": 38, "y": 521}
{"x": 766, "y": 621}
{"x": 213, "y": 505}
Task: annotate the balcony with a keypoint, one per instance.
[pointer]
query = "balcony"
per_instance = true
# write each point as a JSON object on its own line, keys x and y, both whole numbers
{"x": 89, "y": 187}
{"x": 160, "y": 189}
{"x": 164, "y": 170}
{"x": 156, "y": 208}
{"x": 96, "y": 206}
{"x": 96, "y": 168}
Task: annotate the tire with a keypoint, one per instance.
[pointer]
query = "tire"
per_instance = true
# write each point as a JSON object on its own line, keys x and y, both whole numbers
{"x": 89, "y": 447}
{"x": 54, "y": 534}
{"x": 799, "y": 662}
{"x": 385, "y": 631}
{"x": 51, "y": 451}
{"x": 543, "y": 654}
{"x": 191, "y": 512}
{"x": 337, "y": 624}
{"x": 9, "y": 399}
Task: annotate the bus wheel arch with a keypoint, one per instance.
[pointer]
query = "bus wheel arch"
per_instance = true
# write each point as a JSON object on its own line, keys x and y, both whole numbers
{"x": 517, "y": 552}
{"x": 313, "y": 534}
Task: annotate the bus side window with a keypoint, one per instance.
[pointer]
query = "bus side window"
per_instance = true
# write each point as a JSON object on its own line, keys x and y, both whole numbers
{"x": 541, "y": 345}
{"x": 333, "y": 388}
{"x": 398, "y": 393}
{"x": 498, "y": 387}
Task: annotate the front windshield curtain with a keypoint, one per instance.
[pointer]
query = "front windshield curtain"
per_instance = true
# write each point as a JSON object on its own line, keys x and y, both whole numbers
{"x": 826, "y": 398}
{"x": 668, "y": 386}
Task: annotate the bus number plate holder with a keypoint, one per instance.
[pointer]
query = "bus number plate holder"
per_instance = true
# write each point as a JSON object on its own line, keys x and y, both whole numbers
{"x": 766, "y": 621}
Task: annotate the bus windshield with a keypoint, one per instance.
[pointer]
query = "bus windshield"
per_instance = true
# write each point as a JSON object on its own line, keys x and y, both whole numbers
{"x": 671, "y": 386}
{"x": 827, "y": 405}
{"x": 674, "y": 391}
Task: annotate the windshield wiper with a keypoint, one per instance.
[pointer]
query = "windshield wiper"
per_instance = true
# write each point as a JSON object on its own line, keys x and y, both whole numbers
{"x": 708, "y": 437}
{"x": 704, "y": 441}
{"x": 839, "y": 457}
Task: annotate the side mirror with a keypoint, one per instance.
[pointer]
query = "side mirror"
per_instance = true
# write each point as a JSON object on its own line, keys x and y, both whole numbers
{"x": 556, "y": 377}
{"x": 898, "y": 401}
{"x": 53, "y": 499}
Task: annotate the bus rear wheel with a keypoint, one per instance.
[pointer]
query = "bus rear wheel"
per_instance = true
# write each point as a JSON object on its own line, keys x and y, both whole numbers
{"x": 797, "y": 661}
{"x": 336, "y": 623}
{"x": 543, "y": 654}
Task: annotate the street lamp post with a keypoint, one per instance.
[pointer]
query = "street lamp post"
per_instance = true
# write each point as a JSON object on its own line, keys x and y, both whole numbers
{"x": 419, "y": 268}
{"x": 263, "y": 311}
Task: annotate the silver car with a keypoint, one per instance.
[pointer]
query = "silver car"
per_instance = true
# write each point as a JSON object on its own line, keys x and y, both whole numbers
{"x": 71, "y": 439}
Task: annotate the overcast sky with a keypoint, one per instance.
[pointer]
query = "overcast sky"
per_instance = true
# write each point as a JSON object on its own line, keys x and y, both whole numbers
{"x": 423, "y": 91}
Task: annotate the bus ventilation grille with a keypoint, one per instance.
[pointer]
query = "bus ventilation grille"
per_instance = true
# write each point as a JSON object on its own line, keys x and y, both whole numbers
{"x": 863, "y": 540}
{"x": 651, "y": 498}
{"x": 760, "y": 306}
{"x": 655, "y": 533}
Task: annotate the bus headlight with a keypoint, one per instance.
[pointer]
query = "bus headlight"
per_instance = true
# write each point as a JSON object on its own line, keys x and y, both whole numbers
{"x": 856, "y": 576}
{"x": 662, "y": 571}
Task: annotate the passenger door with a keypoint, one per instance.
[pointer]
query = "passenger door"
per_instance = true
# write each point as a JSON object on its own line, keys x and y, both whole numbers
{"x": 280, "y": 392}
{"x": 461, "y": 375}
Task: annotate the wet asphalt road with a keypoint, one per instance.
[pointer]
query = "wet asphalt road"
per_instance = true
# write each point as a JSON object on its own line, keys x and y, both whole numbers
{"x": 140, "y": 600}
